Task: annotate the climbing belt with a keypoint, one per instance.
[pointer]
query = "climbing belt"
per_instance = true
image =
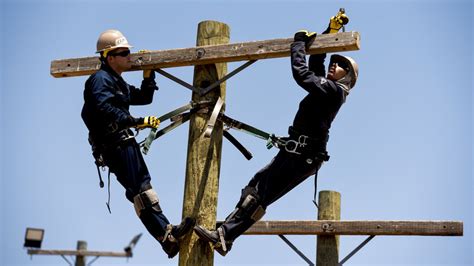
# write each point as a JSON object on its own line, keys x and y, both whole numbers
{"x": 183, "y": 114}
{"x": 177, "y": 117}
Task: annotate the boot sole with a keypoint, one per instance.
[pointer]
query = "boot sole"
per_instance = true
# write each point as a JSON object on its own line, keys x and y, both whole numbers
{"x": 187, "y": 227}
{"x": 203, "y": 234}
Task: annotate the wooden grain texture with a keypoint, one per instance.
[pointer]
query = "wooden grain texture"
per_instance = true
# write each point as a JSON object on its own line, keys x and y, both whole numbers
{"x": 204, "y": 154}
{"x": 334, "y": 227}
{"x": 211, "y": 53}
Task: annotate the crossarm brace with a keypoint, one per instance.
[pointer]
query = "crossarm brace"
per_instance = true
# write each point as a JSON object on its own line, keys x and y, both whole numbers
{"x": 210, "y": 87}
{"x": 68, "y": 262}
{"x": 177, "y": 80}
{"x": 359, "y": 247}
{"x": 295, "y": 249}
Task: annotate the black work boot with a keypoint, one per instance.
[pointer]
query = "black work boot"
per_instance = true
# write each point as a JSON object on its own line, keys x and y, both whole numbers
{"x": 170, "y": 248}
{"x": 183, "y": 228}
{"x": 215, "y": 237}
{"x": 173, "y": 235}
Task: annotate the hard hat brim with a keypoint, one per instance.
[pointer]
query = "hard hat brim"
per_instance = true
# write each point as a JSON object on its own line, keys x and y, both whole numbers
{"x": 115, "y": 47}
{"x": 349, "y": 62}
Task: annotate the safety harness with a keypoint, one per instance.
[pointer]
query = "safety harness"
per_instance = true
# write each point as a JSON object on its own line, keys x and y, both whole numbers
{"x": 177, "y": 117}
{"x": 98, "y": 149}
{"x": 297, "y": 143}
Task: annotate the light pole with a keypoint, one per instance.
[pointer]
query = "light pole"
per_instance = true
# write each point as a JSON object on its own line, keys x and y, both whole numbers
{"x": 34, "y": 238}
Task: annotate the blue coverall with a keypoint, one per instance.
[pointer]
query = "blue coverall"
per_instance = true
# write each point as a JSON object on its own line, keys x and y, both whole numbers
{"x": 313, "y": 119}
{"x": 107, "y": 98}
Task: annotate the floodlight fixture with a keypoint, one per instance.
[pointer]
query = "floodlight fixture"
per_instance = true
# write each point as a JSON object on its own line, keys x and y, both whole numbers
{"x": 33, "y": 237}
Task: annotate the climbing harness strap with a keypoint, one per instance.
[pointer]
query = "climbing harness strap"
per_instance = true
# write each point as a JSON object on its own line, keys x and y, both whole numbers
{"x": 175, "y": 114}
{"x": 222, "y": 242}
{"x": 235, "y": 124}
{"x": 152, "y": 136}
{"x": 168, "y": 236}
{"x": 213, "y": 118}
{"x": 247, "y": 154}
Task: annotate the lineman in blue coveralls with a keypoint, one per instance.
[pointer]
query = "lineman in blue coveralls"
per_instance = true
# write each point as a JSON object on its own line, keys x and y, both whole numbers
{"x": 107, "y": 98}
{"x": 305, "y": 148}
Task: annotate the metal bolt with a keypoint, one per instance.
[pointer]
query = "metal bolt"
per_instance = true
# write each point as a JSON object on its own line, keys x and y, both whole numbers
{"x": 200, "y": 52}
{"x": 327, "y": 228}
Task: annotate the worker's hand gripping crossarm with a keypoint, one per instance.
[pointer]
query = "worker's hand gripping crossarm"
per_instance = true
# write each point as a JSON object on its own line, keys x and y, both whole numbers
{"x": 305, "y": 36}
{"x": 147, "y": 73}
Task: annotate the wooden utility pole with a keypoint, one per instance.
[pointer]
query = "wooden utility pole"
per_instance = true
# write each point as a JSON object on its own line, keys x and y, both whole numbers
{"x": 81, "y": 259}
{"x": 328, "y": 246}
{"x": 204, "y": 154}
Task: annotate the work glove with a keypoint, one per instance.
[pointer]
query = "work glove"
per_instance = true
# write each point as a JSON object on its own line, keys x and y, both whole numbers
{"x": 305, "y": 36}
{"x": 337, "y": 22}
{"x": 147, "y": 122}
{"x": 147, "y": 73}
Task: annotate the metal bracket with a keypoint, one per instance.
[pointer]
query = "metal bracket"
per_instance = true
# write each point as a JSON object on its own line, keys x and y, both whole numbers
{"x": 359, "y": 247}
{"x": 295, "y": 249}
{"x": 204, "y": 91}
{"x": 212, "y": 120}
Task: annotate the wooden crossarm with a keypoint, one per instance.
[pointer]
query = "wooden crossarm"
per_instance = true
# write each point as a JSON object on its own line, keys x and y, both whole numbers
{"x": 330, "y": 227}
{"x": 326, "y": 43}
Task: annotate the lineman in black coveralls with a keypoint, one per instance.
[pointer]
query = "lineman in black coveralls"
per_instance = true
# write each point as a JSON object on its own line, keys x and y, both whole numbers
{"x": 305, "y": 148}
{"x": 107, "y": 98}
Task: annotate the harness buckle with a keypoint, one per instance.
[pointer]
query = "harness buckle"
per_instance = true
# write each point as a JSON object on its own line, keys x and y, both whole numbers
{"x": 122, "y": 136}
{"x": 292, "y": 145}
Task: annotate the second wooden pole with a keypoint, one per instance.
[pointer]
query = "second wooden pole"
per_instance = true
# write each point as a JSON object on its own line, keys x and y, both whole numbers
{"x": 327, "y": 253}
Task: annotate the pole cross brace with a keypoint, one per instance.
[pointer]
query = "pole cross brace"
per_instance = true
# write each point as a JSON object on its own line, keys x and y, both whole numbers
{"x": 64, "y": 257}
{"x": 204, "y": 91}
{"x": 310, "y": 263}
{"x": 93, "y": 260}
{"x": 295, "y": 249}
{"x": 359, "y": 247}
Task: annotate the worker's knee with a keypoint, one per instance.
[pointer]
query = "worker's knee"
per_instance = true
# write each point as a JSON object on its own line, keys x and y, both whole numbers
{"x": 250, "y": 204}
{"x": 145, "y": 200}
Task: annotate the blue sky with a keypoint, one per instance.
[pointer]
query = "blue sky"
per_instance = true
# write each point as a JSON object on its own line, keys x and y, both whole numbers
{"x": 401, "y": 146}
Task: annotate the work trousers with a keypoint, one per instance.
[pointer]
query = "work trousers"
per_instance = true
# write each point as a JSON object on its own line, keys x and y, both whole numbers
{"x": 281, "y": 175}
{"x": 126, "y": 162}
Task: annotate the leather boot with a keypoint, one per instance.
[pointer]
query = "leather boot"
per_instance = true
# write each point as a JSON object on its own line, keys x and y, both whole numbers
{"x": 173, "y": 235}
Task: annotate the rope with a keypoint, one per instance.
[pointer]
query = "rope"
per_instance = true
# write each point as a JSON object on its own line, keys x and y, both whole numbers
{"x": 108, "y": 192}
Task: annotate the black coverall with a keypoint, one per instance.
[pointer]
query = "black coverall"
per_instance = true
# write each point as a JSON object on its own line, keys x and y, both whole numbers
{"x": 313, "y": 119}
{"x": 107, "y": 98}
